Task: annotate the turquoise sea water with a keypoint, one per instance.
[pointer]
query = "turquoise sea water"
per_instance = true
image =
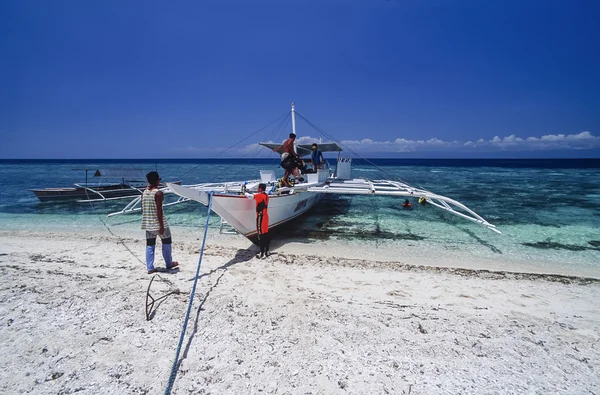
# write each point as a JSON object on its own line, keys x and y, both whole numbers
{"x": 547, "y": 210}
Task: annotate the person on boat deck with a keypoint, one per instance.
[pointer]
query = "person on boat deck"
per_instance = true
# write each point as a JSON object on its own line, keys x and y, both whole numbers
{"x": 288, "y": 161}
{"x": 262, "y": 219}
{"x": 316, "y": 158}
{"x": 155, "y": 223}
{"x": 406, "y": 205}
{"x": 288, "y": 145}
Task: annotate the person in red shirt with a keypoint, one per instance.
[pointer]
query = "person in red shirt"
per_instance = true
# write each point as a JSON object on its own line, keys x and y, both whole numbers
{"x": 262, "y": 219}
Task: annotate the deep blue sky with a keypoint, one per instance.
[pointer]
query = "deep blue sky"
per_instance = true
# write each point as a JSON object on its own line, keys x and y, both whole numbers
{"x": 128, "y": 79}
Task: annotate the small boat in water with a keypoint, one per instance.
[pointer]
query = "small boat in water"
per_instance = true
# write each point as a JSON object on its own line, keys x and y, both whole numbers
{"x": 112, "y": 184}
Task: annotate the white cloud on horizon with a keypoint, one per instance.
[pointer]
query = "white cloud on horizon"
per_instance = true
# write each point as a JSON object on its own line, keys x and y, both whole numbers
{"x": 583, "y": 140}
{"x": 579, "y": 141}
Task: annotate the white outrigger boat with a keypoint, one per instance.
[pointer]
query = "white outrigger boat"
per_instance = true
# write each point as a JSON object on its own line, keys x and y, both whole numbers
{"x": 287, "y": 203}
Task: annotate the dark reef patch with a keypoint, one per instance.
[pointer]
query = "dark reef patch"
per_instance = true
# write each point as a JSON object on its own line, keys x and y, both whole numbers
{"x": 552, "y": 245}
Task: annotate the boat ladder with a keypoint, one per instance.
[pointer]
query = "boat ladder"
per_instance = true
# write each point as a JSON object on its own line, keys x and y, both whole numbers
{"x": 226, "y": 228}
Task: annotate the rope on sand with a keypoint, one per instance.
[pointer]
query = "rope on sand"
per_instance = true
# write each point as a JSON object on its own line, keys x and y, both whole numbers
{"x": 189, "y": 309}
{"x": 151, "y": 300}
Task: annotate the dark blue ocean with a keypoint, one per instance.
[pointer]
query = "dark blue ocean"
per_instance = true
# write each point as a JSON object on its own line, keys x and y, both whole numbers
{"x": 547, "y": 209}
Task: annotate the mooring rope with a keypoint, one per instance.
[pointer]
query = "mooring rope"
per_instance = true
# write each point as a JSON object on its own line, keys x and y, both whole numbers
{"x": 97, "y": 213}
{"x": 189, "y": 308}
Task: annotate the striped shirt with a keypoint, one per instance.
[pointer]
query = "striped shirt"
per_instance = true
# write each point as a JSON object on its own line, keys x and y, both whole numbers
{"x": 149, "y": 216}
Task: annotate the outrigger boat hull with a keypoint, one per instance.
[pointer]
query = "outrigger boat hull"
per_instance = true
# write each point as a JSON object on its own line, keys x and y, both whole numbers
{"x": 240, "y": 212}
{"x": 289, "y": 203}
{"x": 79, "y": 193}
{"x": 112, "y": 184}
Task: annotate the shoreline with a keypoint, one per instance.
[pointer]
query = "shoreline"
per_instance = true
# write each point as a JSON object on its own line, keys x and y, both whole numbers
{"x": 378, "y": 254}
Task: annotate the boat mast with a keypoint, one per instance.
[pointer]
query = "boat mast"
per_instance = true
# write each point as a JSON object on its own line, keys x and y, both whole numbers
{"x": 293, "y": 120}
{"x": 294, "y": 126}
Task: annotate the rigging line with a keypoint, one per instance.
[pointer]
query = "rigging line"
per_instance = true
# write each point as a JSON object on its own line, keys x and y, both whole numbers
{"x": 282, "y": 125}
{"x": 108, "y": 228}
{"x": 318, "y": 129}
{"x": 233, "y": 145}
{"x": 252, "y": 134}
{"x": 173, "y": 374}
{"x": 272, "y": 136}
{"x": 257, "y": 148}
{"x": 350, "y": 150}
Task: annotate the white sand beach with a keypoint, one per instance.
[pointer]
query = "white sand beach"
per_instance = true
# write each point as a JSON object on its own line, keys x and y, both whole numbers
{"x": 72, "y": 320}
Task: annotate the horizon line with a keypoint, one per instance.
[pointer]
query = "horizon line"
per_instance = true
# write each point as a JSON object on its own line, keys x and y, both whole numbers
{"x": 273, "y": 158}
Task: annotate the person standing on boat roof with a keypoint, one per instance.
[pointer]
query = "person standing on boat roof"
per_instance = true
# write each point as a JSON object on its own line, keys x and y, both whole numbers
{"x": 288, "y": 161}
{"x": 155, "y": 223}
{"x": 262, "y": 219}
{"x": 316, "y": 158}
{"x": 288, "y": 145}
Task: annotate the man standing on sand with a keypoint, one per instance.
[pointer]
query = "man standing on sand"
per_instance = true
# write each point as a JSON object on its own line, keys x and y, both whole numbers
{"x": 155, "y": 223}
{"x": 262, "y": 219}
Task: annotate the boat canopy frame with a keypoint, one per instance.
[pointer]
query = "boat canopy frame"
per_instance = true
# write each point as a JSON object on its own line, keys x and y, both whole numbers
{"x": 304, "y": 149}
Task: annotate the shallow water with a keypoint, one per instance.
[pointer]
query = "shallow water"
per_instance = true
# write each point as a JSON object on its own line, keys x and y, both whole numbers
{"x": 548, "y": 211}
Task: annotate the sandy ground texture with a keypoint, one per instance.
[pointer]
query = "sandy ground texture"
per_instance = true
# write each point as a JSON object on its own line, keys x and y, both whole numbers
{"x": 73, "y": 320}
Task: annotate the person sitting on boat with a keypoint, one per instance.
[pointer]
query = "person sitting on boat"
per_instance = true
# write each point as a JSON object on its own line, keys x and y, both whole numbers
{"x": 262, "y": 219}
{"x": 155, "y": 223}
{"x": 316, "y": 158}
{"x": 288, "y": 162}
{"x": 406, "y": 205}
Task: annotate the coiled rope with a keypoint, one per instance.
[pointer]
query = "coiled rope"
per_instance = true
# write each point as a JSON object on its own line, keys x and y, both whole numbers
{"x": 173, "y": 374}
